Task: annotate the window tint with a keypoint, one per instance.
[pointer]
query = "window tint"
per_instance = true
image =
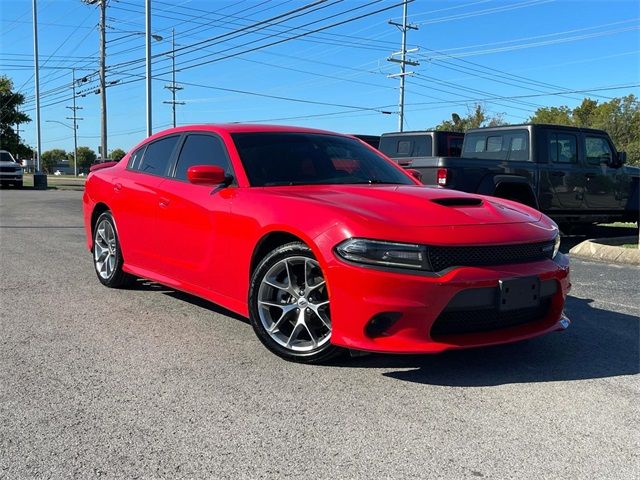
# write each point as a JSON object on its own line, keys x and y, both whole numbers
{"x": 156, "y": 158}
{"x": 201, "y": 150}
{"x": 494, "y": 144}
{"x": 406, "y": 146}
{"x": 597, "y": 150}
{"x": 271, "y": 159}
{"x": 454, "y": 147}
{"x": 136, "y": 157}
{"x": 510, "y": 145}
{"x": 563, "y": 148}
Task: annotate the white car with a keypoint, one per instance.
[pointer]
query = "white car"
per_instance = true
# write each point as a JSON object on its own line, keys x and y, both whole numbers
{"x": 10, "y": 170}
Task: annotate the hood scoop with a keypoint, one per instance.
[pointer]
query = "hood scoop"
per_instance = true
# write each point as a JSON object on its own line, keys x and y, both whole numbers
{"x": 458, "y": 201}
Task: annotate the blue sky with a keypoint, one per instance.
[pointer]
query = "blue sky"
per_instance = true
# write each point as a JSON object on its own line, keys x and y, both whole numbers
{"x": 469, "y": 51}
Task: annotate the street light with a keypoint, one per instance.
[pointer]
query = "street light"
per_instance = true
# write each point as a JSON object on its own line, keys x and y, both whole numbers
{"x": 75, "y": 143}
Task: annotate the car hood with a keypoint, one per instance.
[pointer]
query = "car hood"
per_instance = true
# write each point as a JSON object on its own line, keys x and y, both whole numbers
{"x": 9, "y": 164}
{"x": 411, "y": 205}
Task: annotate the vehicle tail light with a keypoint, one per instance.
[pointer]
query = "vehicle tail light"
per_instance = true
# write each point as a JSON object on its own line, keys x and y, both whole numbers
{"x": 442, "y": 176}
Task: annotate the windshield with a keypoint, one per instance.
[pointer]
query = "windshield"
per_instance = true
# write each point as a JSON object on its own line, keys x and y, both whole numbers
{"x": 290, "y": 158}
{"x": 5, "y": 157}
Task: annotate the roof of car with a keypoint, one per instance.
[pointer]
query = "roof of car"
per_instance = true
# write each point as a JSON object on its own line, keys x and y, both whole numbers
{"x": 242, "y": 128}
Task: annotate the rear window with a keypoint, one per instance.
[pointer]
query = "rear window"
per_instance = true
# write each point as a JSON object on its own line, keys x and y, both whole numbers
{"x": 509, "y": 145}
{"x": 450, "y": 145}
{"x": 400, "y": 146}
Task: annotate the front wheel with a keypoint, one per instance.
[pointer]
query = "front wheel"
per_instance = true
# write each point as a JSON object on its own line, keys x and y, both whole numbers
{"x": 107, "y": 255}
{"x": 289, "y": 305}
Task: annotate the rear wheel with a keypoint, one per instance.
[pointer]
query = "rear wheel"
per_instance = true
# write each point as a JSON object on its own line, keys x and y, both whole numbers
{"x": 107, "y": 255}
{"x": 289, "y": 305}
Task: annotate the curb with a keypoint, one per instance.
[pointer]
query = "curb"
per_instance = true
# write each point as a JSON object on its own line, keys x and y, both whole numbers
{"x": 607, "y": 250}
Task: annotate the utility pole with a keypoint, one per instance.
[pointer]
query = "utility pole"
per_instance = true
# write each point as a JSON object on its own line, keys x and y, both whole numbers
{"x": 173, "y": 87}
{"x": 37, "y": 86}
{"x": 404, "y": 28}
{"x": 147, "y": 12}
{"x": 103, "y": 82}
{"x": 75, "y": 119}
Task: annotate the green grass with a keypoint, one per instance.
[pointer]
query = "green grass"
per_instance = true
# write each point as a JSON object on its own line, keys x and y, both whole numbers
{"x": 619, "y": 225}
{"x": 60, "y": 182}
{"x": 630, "y": 245}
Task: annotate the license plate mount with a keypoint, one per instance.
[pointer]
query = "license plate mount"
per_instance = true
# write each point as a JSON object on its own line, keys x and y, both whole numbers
{"x": 518, "y": 293}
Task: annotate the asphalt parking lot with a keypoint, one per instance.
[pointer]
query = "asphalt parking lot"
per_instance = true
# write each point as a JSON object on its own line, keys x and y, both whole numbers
{"x": 150, "y": 382}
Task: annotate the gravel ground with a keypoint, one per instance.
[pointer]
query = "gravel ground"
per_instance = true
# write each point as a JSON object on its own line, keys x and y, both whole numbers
{"x": 153, "y": 383}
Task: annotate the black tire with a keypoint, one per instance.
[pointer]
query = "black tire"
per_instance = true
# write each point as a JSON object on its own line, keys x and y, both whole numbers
{"x": 19, "y": 184}
{"x": 323, "y": 352}
{"x": 113, "y": 277}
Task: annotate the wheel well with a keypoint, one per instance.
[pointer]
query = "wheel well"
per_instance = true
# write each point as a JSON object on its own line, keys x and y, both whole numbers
{"x": 270, "y": 242}
{"x": 98, "y": 210}
{"x": 518, "y": 192}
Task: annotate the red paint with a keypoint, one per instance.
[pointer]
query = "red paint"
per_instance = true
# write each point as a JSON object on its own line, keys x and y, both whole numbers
{"x": 201, "y": 239}
{"x": 205, "y": 175}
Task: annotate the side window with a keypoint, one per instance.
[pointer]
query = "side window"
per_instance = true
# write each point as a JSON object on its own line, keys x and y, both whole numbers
{"x": 597, "y": 150}
{"x": 136, "y": 157}
{"x": 563, "y": 148}
{"x": 201, "y": 150}
{"x": 156, "y": 157}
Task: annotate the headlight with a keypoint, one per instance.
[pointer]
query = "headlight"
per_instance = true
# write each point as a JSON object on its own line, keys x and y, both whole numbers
{"x": 556, "y": 245}
{"x": 384, "y": 254}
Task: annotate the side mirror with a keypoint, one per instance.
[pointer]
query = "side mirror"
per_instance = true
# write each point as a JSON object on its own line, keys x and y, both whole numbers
{"x": 415, "y": 174}
{"x": 206, "y": 175}
{"x": 622, "y": 158}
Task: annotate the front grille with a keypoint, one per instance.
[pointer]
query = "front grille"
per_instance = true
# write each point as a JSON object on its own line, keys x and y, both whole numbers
{"x": 442, "y": 258}
{"x": 8, "y": 169}
{"x": 474, "y": 320}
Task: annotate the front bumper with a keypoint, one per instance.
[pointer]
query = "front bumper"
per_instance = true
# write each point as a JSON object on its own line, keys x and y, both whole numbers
{"x": 359, "y": 293}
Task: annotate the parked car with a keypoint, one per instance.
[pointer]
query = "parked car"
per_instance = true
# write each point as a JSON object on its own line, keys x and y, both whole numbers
{"x": 405, "y": 146}
{"x": 574, "y": 175}
{"x": 10, "y": 170}
{"x": 323, "y": 243}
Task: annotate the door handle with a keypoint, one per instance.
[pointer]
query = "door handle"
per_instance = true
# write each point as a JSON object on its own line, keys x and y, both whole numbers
{"x": 117, "y": 187}
{"x": 164, "y": 202}
{"x": 558, "y": 174}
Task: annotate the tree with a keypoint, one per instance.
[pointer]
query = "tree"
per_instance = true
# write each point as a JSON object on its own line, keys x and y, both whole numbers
{"x": 10, "y": 116}
{"x": 51, "y": 158}
{"x": 619, "y": 117}
{"x": 86, "y": 157}
{"x": 117, "y": 154}
{"x": 474, "y": 119}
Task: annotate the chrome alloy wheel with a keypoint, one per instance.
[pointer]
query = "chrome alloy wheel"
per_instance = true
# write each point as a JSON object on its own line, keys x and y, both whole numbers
{"x": 293, "y": 304}
{"x": 104, "y": 249}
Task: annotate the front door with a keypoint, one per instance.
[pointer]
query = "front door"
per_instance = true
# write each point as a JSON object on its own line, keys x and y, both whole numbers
{"x": 190, "y": 216}
{"x": 563, "y": 175}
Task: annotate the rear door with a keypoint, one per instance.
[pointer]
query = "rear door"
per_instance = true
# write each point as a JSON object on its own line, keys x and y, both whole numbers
{"x": 191, "y": 217}
{"x": 136, "y": 194}
{"x": 600, "y": 186}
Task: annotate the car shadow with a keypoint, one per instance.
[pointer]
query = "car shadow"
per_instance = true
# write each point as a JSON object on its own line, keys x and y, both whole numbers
{"x": 597, "y": 231}
{"x": 598, "y": 344}
{"x": 141, "y": 284}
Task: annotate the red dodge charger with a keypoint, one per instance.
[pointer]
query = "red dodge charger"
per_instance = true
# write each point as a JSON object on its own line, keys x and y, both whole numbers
{"x": 324, "y": 243}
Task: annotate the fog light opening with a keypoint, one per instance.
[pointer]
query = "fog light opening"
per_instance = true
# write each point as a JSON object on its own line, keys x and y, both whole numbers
{"x": 380, "y": 323}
